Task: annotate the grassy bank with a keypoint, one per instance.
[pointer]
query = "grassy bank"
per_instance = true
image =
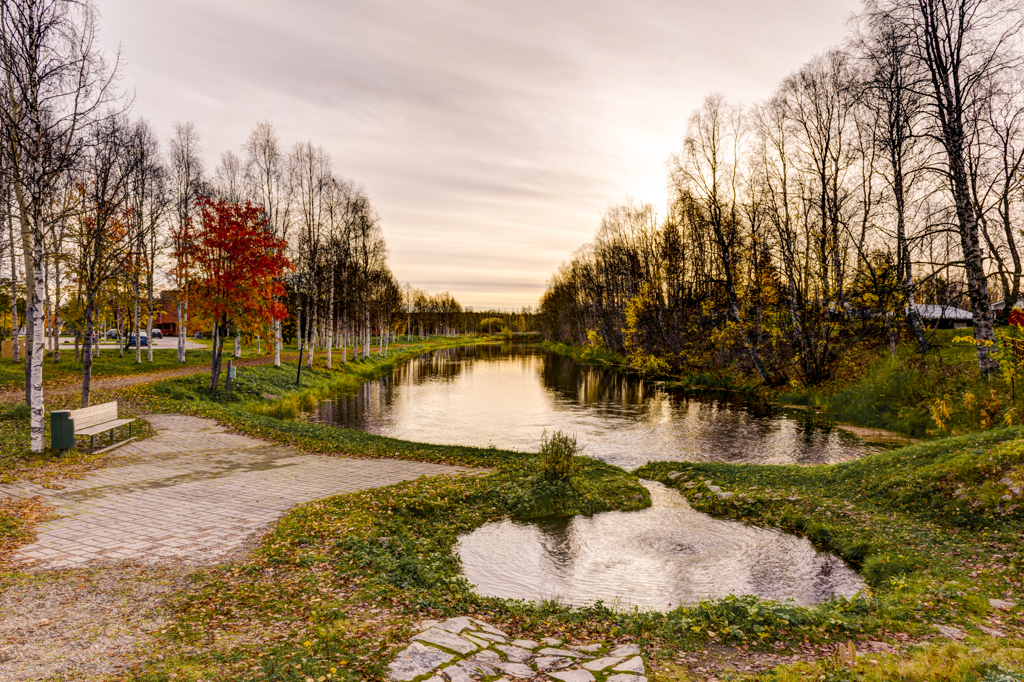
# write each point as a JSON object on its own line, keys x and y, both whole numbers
{"x": 338, "y": 585}
{"x": 926, "y": 526}
{"x": 107, "y": 365}
{"x": 920, "y": 395}
{"x": 935, "y": 529}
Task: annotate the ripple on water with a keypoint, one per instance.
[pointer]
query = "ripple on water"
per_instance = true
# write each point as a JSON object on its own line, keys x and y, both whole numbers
{"x": 658, "y": 558}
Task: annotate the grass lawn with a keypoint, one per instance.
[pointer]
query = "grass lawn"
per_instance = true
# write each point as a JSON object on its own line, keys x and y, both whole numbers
{"x": 339, "y": 584}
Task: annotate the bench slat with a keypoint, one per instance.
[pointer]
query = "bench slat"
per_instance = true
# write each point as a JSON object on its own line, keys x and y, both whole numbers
{"x": 102, "y": 428}
{"x": 93, "y": 415}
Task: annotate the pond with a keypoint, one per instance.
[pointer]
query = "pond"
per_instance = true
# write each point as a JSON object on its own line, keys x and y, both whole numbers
{"x": 507, "y": 395}
{"x": 657, "y": 558}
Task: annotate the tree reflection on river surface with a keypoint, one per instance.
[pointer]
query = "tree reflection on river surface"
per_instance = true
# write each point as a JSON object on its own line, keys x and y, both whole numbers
{"x": 507, "y": 395}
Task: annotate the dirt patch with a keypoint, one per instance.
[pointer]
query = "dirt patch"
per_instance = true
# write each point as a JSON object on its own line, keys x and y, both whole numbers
{"x": 718, "y": 662}
{"x": 90, "y": 623}
{"x": 81, "y": 624}
{"x": 113, "y": 383}
{"x": 872, "y": 435}
{"x": 18, "y": 518}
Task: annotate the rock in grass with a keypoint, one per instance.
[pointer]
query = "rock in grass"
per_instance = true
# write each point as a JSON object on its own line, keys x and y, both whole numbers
{"x": 457, "y": 625}
{"x": 551, "y": 641}
{"x": 991, "y": 632}
{"x": 515, "y": 669}
{"x": 633, "y": 665}
{"x": 446, "y": 639}
{"x": 418, "y": 659}
{"x": 560, "y": 652}
{"x": 674, "y": 474}
{"x": 573, "y": 676}
{"x": 723, "y": 496}
{"x": 456, "y": 674}
{"x": 525, "y": 643}
{"x": 486, "y": 656}
{"x": 714, "y": 489}
{"x": 625, "y": 677}
{"x": 545, "y": 663}
{"x": 626, "y": 650}
{"x": 487, "y": 627}
{"x": 1001, "y": 605}
{"x": 478, "y": 668}
{"x": 589, "y": 648}
{"x": 601, "y": 663}
{"x": 515, "y": 654}
{"x": 476, "y": 640}
{"x": 951, "y": 632}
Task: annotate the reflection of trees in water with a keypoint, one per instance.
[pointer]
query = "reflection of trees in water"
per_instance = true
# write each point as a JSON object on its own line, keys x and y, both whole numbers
{"x": 645, "y": 417}
{"x": 447, "y": 364}
{"x": 592, "y": 386}
{"x": 444, "y": 364}
{"x": 556, "y": 539}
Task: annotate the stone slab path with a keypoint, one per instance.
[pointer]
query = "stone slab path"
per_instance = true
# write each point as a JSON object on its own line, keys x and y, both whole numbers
{"x": 465, "y": 649}
{"x": 192, "y": 493}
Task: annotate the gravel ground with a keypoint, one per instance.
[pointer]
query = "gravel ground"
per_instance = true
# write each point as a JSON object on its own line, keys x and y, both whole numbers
{"x": 91, "y": 623}
{"x": 81, "y": 624}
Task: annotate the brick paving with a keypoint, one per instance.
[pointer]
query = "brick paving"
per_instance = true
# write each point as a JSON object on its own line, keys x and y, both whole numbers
{"x": 192, "y": 493}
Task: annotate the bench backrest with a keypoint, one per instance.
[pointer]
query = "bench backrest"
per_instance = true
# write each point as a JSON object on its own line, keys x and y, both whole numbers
{"x": 94, "y": 414}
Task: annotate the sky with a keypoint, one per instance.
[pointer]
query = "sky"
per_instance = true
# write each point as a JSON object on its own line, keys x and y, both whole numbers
{"x": 490, "y": 135}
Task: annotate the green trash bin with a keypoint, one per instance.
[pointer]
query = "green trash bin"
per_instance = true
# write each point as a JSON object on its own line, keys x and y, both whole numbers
{"x": 62, "y": 430}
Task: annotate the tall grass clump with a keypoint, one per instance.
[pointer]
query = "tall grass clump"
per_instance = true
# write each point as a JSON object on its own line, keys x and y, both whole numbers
{"x": 558, "y": 454}
{"x": 891, "y": 395}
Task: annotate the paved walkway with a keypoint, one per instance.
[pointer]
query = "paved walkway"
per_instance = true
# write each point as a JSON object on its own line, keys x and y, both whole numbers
{"x": 192, "y": 493}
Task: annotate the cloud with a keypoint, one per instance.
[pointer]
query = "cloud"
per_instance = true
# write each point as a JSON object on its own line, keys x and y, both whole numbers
{"x": 490, "y": 134}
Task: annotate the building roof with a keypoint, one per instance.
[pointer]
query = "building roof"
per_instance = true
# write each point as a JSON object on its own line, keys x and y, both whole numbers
{"x": 942, "y": 312}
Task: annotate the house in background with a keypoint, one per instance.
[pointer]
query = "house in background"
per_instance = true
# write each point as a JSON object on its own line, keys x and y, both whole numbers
{"x": 944, "y": 316}
{"x": 167, "y": 319}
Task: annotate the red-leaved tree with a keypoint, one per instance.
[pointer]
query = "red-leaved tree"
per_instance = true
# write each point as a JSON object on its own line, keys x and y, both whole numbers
{"x": 234, "y": 269}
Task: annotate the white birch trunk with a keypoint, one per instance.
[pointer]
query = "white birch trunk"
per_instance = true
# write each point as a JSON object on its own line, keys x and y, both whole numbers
{"x": 181, "y": 334}
{"x": 36, "y": 426}
{"x": 277, "y": 343}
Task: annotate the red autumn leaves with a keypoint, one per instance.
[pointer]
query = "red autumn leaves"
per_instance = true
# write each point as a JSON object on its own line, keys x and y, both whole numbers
{"x": 231, "y": 265}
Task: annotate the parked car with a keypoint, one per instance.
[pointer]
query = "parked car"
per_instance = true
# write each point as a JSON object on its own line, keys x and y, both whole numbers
{"x": 143, "y": 340}
{"x": 157, "y": 334}
{"x": 198, "y": 335}
{"x": 112, "y": 334}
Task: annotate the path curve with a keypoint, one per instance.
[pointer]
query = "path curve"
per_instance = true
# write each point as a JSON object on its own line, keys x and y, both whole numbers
{"x": 107, "y": 383}
{"x": 192, "y": 493}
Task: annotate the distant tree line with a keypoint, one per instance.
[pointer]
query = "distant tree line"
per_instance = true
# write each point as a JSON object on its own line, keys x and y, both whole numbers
{"x": 879, "y": 176}
{"x": 104, "y": 223}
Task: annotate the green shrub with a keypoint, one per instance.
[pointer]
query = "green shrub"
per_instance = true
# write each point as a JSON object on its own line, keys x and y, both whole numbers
{"x": 557, "y": 455}
{"x": 881, "y": 567}
{"x": 18, "y": 412}
{"x": 491, "y": 325}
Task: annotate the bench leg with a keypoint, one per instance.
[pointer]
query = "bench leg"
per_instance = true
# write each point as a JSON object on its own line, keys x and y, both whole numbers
{"x": 129, "y": 430}
{"x": 92, "y": 444}
{"x": 111, "y": 436}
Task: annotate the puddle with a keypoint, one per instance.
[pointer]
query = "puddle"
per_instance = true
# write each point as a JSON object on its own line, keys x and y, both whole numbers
{"x": 657, "y": 558}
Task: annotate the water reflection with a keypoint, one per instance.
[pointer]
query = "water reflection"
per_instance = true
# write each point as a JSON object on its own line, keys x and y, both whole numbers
{"x": 657, "y": 558}
{"x": 507, "y": 395}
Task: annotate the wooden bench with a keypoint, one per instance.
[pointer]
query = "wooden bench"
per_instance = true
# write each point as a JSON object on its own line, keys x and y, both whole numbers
{"x": 95, "y": 419}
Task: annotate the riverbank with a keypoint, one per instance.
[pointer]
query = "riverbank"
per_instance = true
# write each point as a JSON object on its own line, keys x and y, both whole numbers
{"x": 397, "y": 567}
{"x": 903, "y": 394}
{"x": 339, "y": 585}
{"x": 344, "y": 581}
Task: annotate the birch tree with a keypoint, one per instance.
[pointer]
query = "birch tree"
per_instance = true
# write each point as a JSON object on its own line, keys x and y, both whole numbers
{"x": 55, "y": 83}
